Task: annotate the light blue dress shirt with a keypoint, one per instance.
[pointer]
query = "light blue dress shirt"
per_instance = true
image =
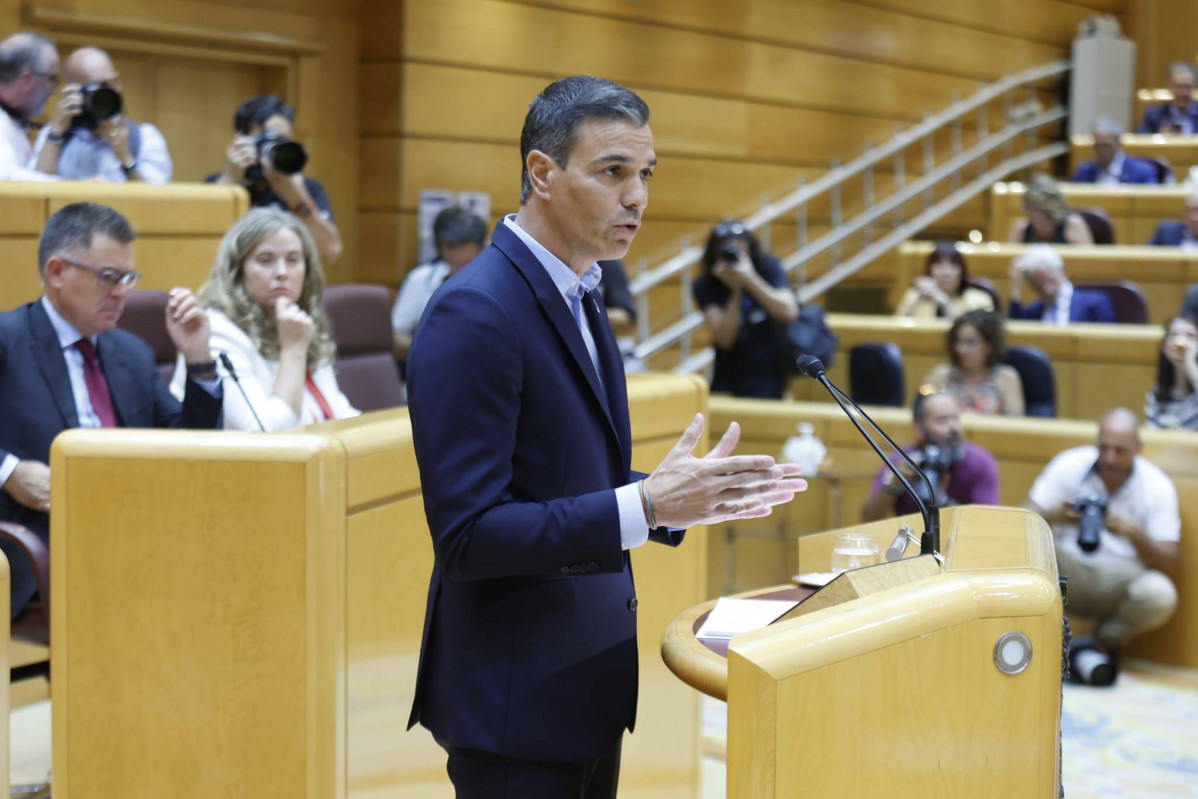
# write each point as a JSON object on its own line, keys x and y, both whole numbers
{"x": 85, "y": 156}
{"x": 634, "y": 529}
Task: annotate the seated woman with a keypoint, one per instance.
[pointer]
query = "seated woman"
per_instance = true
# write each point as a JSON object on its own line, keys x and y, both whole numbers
{"x": 264, "y": 305}
{"x": 944, "y": 289}
{"x": 975, "y": 374}
{"x": 744, "y": 293}
{"x": 1049, "y": 220}
{"x": 1174, "y": 402}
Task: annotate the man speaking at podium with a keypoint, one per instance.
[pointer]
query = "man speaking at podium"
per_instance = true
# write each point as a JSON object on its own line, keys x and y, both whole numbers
{"x": 528, "y": 667}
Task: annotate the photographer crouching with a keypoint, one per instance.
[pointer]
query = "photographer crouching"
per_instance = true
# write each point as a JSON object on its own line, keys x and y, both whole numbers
{"x": 963, "y": 473}
{"x": 265, "y": 158}
{"x": 90, "y": 138}
{"x": 1116, "y": 528}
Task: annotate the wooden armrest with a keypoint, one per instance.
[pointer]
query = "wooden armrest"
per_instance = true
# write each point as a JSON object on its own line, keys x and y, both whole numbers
{"x": 36, "y": 552}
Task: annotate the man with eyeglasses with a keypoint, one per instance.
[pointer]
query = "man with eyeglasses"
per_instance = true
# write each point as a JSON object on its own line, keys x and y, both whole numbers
{"x": 64, "y": 364}
{"x": 28, "y": 76}
{"x": 90, "y": 136}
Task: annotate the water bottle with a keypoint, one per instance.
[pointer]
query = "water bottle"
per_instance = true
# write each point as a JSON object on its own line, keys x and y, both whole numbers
{"x": 805, "y": 449}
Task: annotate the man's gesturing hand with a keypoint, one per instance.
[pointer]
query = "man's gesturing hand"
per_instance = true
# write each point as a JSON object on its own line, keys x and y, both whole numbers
{"x": 718, "y": 487}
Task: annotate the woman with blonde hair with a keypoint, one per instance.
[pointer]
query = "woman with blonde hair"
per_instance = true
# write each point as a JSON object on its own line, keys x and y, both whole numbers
{"x": 263, "y": 298}
{"x": 1048, "y": 220}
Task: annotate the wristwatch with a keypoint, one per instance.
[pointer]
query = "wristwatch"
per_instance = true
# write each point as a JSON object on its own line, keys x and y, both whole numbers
{"x": 130, "y": 167}
{"x": 201, "y": 370}
{"x": 56, "y": 138}
{"x": 304, "y": 208}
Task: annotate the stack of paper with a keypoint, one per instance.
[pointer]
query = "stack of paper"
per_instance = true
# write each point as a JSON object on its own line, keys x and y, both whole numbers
{"x": 731, "y": 617}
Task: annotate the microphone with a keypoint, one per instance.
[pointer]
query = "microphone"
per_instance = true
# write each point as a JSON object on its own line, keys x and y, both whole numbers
{"x": 929, "y": 542}
{"x": 228, "y": 364}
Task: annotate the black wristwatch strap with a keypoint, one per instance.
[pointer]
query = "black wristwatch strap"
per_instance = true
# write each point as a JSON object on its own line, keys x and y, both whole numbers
{"x": 202, "y": 369}
{"x": 56, "y": 138}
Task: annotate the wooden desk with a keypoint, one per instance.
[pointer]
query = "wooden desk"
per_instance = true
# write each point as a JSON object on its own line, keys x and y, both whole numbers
{"x": 1096, "y": 366}
{"x": 240, "y": 615}
{"x": 1135, "y": 211}
{"x": 178, "y": 228}
{"x": 893, "y": 693}
{"x": 1022, "y": 447}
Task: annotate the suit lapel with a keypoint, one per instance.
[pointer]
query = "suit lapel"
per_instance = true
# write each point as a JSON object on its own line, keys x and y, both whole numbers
{"x": 52, "y": 364}
{"x": 550, "y": 300}
{"x": 117, "y": 373}
{"x": 613, "y": 368}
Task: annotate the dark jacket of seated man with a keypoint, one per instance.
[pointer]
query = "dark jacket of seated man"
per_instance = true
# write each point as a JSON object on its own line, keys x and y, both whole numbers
{"x": 964, "y": 473}
{"x": 49, "y": 384}
{"x": 1130, "y": 170}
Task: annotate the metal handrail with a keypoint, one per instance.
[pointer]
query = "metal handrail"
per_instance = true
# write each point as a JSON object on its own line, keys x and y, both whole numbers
{"x": 839, "y": 174}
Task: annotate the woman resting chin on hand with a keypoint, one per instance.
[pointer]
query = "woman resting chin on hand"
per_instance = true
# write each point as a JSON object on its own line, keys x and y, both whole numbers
{"x": 264, "y": 299}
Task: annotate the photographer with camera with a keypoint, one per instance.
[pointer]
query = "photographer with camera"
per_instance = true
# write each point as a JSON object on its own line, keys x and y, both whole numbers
{"x": 265, "y": 158}
{"x": 963, "y": 473}
{"x": 744, "y": 294}
{"x": 1116, "y": 528}
{"x": 89, "y": 138}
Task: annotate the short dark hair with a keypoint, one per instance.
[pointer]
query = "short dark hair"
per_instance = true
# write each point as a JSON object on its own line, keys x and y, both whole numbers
{"x": 990, "y": 328}
{"x": 21, "y": 52}
{"x": 73, "y": 226}
{"x": 947, "y": 251}
{"x": 455, "y": 225}
{"x": 256, "y": 110}
{"x": 551, "y": 125}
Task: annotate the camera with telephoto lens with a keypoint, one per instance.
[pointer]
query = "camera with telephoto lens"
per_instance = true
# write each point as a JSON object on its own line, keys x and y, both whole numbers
{"x": 100, "y": 102}
{"x": 729, "y": 252}
{"x": 935, "y": 461}
{"x": 1091, "y": 507}
{"x": 287, "y": 156}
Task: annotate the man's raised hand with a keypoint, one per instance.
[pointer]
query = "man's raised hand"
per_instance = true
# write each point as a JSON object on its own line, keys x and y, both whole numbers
{"x": 686, "y": 490}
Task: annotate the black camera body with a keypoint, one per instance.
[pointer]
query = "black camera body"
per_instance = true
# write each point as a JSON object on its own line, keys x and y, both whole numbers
{"x": 100, "y": 102}
{"x": 935, "y": 461}
{"x": 289, "y": 157}
{"x": 1091, "y": 507}
{"x": 729, "y": 252}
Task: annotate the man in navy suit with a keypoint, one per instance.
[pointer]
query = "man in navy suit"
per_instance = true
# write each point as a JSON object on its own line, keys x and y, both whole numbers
{"x": 1060, "y": 302}
{"x": 528, "y": 667}
{"x": 1179, "y": 234}
{"x": 1113, "y": 166}
{"x": 63, "y": 365}
{"x": 1179, "y": 116}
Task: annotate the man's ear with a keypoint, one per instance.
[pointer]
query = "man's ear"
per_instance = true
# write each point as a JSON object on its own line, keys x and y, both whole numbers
{"x": 55, "y": 266}
{"x": 540, "y": 173}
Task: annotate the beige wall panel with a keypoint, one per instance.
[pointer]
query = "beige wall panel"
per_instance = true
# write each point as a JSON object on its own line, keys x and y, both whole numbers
{"x": 847, "y": 29}
{"x": 1052, "y": 21}
{"x": 553, "y": 42}
{"x": 382, "y": 260}
{"x": 170, "y": 262}
{"x": 21, "y": 281}
{"x": 379, "y": 37}
{"x": 379, "y": 93}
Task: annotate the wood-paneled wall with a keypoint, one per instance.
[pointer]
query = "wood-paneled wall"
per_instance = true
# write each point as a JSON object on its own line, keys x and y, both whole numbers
{"x": 187, "y": 64}
{"x": 748, "y": 97}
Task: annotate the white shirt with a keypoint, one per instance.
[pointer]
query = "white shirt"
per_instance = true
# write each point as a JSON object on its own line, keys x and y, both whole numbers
{"x": 1058, "y": 312}
{"x": 15, "y": 152}
{"x": 1110, "y": 176}
{"x": 257, "y": 376}
{"x": 634, "y": 529}
{"x": 85, "y": 156}
{"x": 1148, "y": 498}
{"x": 417, "y": 290}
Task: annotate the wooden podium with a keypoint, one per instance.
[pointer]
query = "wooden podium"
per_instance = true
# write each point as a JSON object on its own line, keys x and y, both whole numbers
{"x": 914, "y": 678}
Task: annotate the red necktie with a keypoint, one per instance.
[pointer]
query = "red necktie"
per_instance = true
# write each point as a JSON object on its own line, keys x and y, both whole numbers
{"x": 97, "y": 386}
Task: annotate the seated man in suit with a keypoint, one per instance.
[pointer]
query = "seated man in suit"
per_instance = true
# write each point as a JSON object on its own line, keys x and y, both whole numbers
{"x": 1113, "y": 166}
{"x": 963, "y": 473}
{"x": 1060, "y": 302}
{"x": 1179, "y": 116}
{"x": 63, "y": 364}
{"x": 1179, "y": 234}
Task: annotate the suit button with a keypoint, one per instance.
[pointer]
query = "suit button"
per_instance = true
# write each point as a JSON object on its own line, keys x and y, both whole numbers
{"x": 632, "y": 604}
{"x": 592, "y": 566}
{"x": 565, "y": 570}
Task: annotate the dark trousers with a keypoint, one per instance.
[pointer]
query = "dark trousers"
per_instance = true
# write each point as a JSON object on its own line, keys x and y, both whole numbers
{"x": 482, "y": 775}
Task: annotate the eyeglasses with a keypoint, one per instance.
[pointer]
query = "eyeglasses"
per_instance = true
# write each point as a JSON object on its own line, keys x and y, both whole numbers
{"x": 109, "y": 276}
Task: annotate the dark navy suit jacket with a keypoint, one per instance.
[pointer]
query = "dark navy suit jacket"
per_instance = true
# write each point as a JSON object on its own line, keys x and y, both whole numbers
{"x": 1135, "y": 170}
{"x": 1154, "y": 116}
{"x": 1169, "y": 234}
{"x": 36, "y": 402}
{"x": 529, "y": 643}
{"x": 1086, "y": 306}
